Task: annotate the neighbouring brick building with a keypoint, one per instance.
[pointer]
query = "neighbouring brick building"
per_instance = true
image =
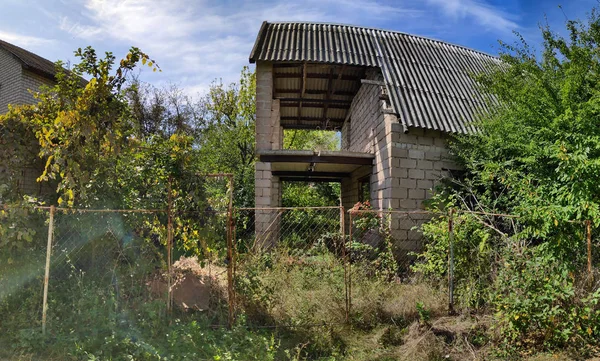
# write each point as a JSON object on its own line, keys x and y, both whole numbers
{"x": 21, "y": 73}
{"x": 393, "y": 96}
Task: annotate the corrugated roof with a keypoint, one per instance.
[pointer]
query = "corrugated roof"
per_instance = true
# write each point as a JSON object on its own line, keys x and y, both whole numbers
{"x": 30, "y": 60}
{"x": 428, "y": 81}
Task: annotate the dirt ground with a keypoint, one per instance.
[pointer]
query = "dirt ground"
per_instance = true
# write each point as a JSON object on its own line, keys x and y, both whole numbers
{"x": 194, "y": 287}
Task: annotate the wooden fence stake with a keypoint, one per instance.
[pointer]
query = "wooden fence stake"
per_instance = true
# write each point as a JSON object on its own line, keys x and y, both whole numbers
{"x": 169, "y": 245}
{"x": 451, "y": 263}
{"x": 47, "y": 271}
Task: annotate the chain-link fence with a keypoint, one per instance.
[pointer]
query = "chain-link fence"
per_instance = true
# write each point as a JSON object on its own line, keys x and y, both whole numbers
{"x": 272, "y": 266}
{"x": 287, "y": 261}
{"x": 23, "y": 240}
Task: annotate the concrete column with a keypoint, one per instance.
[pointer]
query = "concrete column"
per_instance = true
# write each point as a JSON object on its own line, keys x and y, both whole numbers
{"x": 268, "y": 137}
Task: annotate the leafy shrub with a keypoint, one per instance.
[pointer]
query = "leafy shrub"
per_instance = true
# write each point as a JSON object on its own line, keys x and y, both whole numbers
{"x": 539, "y": 305}
{"x": 474, "y": 257}
{"x": 372, "y": 242}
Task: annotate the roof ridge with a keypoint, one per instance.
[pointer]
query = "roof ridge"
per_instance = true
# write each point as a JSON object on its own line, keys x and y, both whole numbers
{"x": 45, "y": 66}
{"x": 384, "y": 31}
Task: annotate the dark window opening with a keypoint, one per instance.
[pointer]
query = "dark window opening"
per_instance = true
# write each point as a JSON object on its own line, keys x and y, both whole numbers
{"x": 364, "y": 189}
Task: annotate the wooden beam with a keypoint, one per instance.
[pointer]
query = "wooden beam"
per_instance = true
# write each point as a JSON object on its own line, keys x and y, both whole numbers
{"x": 329, "y": 87}
{"x": 314, "y": 92}
{"x": 372, "y": 82}
{"x": 305, "y": 126}
{"x": 314, "y": 76}
{"x": 302, "y": 89}
{"x": 314, "y": 105}
{"x": 310, "y": 179}
{"x": 287, "y": 65}
{"x": 313, "y": 119}
{"x": 289, "y": 173}
{"x": 281, "y": 158}
{"x": 312, "y": 100}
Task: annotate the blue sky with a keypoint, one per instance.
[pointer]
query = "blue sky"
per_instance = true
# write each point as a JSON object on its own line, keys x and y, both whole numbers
{"x": 197, "y": 41}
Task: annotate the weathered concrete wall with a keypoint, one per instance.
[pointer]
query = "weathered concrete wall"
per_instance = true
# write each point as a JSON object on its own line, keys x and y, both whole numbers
{"x": 407, "y": 165}
{"x": 268, "y": 137}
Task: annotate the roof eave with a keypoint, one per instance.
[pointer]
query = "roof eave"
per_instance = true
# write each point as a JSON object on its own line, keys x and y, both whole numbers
{"x": 259, "y": 39}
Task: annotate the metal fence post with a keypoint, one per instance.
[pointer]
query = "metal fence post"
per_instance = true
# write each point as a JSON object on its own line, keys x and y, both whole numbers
{"x": 343, "y": 240}
{"x": 169, "y": 244}
{"x": 348, "y": 259}
{"x": 589, "y": 246}
{"x": 230, "y": 260}
{"x": 451, "y": 262}
{"x": 47, "y": 271}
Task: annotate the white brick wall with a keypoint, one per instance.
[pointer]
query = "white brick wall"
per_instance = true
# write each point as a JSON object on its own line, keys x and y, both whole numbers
{"x": 10, "y": 81}
{"x": 15, "y": 84}
{"x": 31, "y": 83}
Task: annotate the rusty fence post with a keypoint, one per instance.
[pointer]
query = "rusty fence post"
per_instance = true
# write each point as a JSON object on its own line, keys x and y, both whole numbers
{"x": 451, "y": 262}
{"x": 343, "y": 245}
{"x": 230, "y": 257}
{"x": 169, "y": 245}
{"x": 588, "y": 227}
{"x": 47, "y": 270}
{"x": 348, "y": 258}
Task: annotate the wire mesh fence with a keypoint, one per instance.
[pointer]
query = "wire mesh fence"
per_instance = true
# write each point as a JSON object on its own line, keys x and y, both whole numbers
{"x": 287, "y": 259}
{"x": 271, "y": 266}
{"x": 23, "y": 240}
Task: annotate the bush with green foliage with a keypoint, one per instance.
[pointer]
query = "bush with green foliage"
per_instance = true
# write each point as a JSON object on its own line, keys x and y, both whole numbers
{"x": 535, "y": 156}
{"x": 539, "y": 304}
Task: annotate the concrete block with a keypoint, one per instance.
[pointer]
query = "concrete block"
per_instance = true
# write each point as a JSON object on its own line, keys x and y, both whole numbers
{"x": 399, "y": 152}
{"x": 440, "y": 142}
{"x": 408, "y": 163}
{"x": 408, "y": 204}
{"x": 434, "y": 174}
{"x": 416, "y": 154}
{"x": 262, "y": 166}
{"x": 416, "y": 194}
{"x": 424, "y": 184}
{"x": 408, "y": 183}
{"x": 263, "y": 201}
{"x": 400, "y": 172}
{"x": 425, "y": 140}
{"x": 263, "y": 183}
{"x": 399, "y": 193}
{"x": 433, "y": 155}
{"x": 416, "y": 173}
{"x": 425, "y": 164}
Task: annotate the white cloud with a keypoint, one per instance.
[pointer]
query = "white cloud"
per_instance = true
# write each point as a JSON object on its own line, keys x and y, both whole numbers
{"x": 24, "y": 41}
{"x": 195, "y": 42}
{"x": 484, "y": 14}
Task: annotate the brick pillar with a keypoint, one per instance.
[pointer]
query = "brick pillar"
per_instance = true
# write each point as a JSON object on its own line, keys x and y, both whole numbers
{"x": 268, "y": 137}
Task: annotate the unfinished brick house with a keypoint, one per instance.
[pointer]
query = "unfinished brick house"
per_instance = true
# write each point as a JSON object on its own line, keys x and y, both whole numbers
{"x": 21, "y": 72}
{"x": 393, "y": 96}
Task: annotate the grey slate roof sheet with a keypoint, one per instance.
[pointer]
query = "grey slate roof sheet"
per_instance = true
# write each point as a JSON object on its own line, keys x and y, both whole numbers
{"x": 428, "y": 81}
{"x": 30, "y": 60}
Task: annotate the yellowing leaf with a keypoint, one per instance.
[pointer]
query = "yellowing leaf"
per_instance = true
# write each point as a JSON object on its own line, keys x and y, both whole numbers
{"x": 60, "y": 201}
{"x": 143, "y": 61}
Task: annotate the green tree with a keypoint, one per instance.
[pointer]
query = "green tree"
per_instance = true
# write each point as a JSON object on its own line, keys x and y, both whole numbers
{"x": 226, "y": 142}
